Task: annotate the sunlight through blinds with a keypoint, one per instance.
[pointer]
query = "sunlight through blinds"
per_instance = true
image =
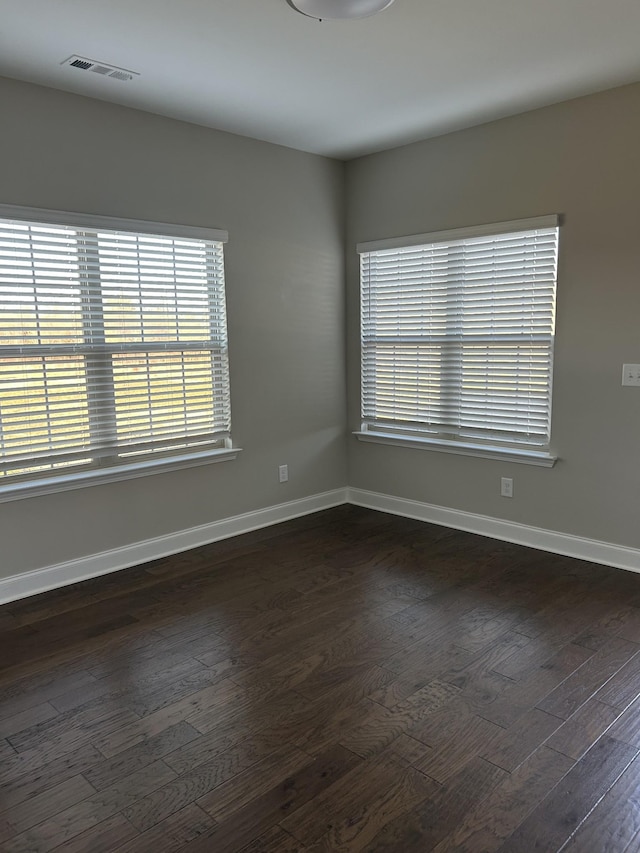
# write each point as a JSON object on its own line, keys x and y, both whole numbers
{"x": 113, "y": 344}
{"x": 457, "y": 335}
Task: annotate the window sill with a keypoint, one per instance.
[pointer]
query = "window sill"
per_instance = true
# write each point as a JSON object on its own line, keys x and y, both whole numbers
{"x": 505, "y": 454}
{"x": 99, "y": 476}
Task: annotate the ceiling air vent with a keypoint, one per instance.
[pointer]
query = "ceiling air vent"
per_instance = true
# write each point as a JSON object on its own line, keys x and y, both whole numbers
{"x": 101, "y": 68}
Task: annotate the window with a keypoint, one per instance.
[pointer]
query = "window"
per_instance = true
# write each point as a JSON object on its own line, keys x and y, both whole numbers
{"x": 457, "y": 335}
{"x": 113, "y": 343}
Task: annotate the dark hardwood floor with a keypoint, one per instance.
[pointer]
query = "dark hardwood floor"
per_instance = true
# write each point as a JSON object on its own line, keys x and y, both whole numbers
{"x": 349, "y": 681}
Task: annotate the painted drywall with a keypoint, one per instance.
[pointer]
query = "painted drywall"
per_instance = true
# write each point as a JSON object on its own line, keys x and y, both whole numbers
{"x": 578, "y": 159}
{"x": 285, "y": 292}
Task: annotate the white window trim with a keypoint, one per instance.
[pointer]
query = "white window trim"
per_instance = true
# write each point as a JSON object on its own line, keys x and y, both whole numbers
{"x": 110, "y": 223}
{"x": 47, "y": 485}
{"x": 550, "y": 221}
{"x": 60, "y": 482}
{"x": 525, "y": 456}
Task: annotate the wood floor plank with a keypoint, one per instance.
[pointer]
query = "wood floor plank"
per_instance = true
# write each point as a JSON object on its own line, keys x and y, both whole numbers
{"x": 381, "y": 726}
{"x": 470, "y": 738}
{"x": 621, "y": 690}
{"x": 429, "y": 625}
{"x": 200, "y": 780}
{"x": 609, "y": 624}
{"x": 263, "y": 813}
{"x": 231, "y": 733}
{"x": 350, "y": 797}
{"x": 513, "y": 745}
{"x": 605, "y": 663}
{"x": 6, "y": 750}
{"x": 42, "y": 806}
{"x": 261, "y": 708}
{"x": 630, "y": 630}
{"x": 33, "y": 682}
{"x": 582, "y": 729}
{"x": 188, "y": 685}
{"x": 45, "y": 777}
{"x": 427, "y": 663}
{"x": 320, "y": 726}
{"x": 185, "y": 709}
{"x": 357, "y": 680}
{"x": 357, "y": 828}
{"x": 484, "y": 625}
{"x": 317, "y": 637}
{"x": 91, "y": 722}
{"x": 147, "y": 657}
{"x": 614, "y": 824}
{"x": 309, "y": 665}
{"x": 19, "y": 767}
{"x": 276, "y": 840}
{"x": 26, "y": 719}
{"x": 31, "y": 647}
{"x": 244, "y": 787}
{"x": 464, "y": 676}
{"x": 399, "y": 689}
{"x": 627, "y": 727}
{"x": 570, "y": 610}
{"x": 88, "y": 811}
{"x": 108, "y": 771}
{"x": 424, "y": 826}
{"x": 521, "y": 696}
{"x": 147, "y": 684}
{"x": 175, "y": 833}
{"x": 485, "y": 827}
{"x": 527, "y": 658}
{"x": 558, "y": 816}
{"x": 104, "y": 837}
{"x": 411, "y": 750}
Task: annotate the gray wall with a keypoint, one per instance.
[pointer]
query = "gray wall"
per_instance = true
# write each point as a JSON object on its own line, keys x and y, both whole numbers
{"x": 284, "y": 264}
{"x": 579, "y": 159}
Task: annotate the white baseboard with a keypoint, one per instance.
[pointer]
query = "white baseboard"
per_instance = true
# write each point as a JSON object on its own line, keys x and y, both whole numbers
{"x": 535, "y": 537}
{"x": 63, "y": 574}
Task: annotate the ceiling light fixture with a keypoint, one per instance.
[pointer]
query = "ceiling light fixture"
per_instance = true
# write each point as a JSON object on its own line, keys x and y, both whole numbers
{"x": 339, "y": 9}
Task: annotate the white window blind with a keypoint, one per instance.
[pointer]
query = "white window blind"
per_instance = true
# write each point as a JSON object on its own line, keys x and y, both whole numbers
{"x": 457, "y": 334}
{"x": 113, "y": 344}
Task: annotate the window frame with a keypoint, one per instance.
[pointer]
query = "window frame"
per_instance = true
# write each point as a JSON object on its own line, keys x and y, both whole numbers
{"x": 119, "y": 466}
{"x": 429, "y": 437}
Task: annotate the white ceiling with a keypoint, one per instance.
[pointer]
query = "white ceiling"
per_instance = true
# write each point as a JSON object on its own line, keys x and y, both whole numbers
{"x": 340, "y": 88}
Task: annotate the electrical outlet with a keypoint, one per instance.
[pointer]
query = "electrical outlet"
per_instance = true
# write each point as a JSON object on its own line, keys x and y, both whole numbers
{"x": 283, "y": 473}
{"x": 506, "y": 487}
{"x": 631, "y": 374}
